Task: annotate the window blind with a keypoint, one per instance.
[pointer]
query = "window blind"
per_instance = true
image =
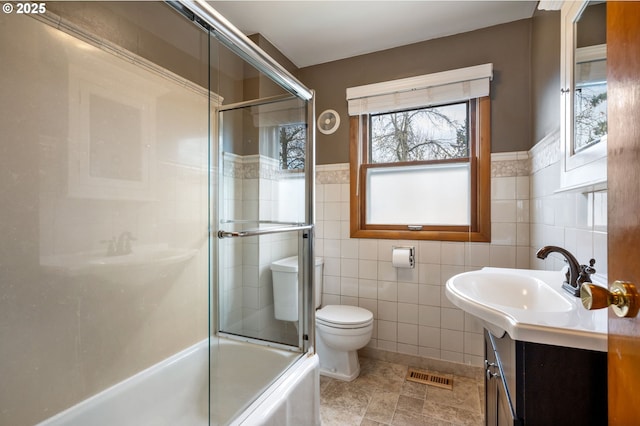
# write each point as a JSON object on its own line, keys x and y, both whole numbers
{"x": 421, "y": 91}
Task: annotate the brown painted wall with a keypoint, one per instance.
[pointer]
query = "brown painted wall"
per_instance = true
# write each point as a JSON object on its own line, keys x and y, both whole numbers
{"x": 545, "y": 74}
{"x": 507, "y": 46}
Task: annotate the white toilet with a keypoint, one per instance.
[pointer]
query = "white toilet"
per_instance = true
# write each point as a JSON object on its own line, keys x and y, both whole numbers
{"x": 340, "y": 329}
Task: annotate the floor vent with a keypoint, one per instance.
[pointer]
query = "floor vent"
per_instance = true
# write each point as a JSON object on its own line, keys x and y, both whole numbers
{"x": 444, "y": 381}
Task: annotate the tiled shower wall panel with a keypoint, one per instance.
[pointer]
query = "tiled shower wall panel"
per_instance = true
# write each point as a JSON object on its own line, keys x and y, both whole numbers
{"x": 255, "y": 189}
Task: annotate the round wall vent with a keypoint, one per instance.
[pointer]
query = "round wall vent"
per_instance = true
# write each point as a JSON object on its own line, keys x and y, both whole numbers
{"x": 328, "y": 121}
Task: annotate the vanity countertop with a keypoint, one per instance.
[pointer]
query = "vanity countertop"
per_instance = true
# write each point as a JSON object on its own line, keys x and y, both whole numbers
{"x": 530, "y": 306}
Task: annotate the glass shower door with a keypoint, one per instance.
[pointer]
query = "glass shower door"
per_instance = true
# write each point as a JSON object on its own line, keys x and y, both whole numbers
{"x": 262, "y": 214}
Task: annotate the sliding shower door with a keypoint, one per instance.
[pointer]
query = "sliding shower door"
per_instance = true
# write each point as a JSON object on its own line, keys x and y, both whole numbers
{"x": 262, "y": 212}
{"x": 104, "y": 134}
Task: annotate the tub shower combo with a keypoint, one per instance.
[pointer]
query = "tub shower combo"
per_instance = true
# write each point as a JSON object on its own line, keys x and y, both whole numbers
{"x": 155, "y": 163}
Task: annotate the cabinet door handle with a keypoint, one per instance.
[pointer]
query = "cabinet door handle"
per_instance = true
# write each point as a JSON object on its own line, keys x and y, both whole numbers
{"x": 488, "y": 367}
{"x": 492, "y": 375}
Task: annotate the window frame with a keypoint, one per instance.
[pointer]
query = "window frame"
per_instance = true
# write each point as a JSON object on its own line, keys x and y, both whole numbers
{"x": 479, "y": 157}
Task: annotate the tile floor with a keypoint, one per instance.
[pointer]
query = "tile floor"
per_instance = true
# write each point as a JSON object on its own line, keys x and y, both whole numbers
{"x": 382, "y": 396}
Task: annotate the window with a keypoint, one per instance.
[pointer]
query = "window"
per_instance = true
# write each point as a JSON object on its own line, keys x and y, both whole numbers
{"x": 421, "y": 172}
{"x": 293, "y": 140}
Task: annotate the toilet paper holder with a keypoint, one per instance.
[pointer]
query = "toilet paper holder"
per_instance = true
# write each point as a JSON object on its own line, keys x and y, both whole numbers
{"x": 403, "y": 256}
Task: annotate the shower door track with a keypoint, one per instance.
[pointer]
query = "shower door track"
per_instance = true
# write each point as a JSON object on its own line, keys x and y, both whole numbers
{"x": 207, "y": 18}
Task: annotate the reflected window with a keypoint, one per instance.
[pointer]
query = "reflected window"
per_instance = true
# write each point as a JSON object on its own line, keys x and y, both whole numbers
{"x": 292, "y": 139}
{"x": 590, "y": 102}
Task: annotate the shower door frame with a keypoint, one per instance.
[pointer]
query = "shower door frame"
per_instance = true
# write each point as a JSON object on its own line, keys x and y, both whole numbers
{"x": 306, "y": 230}
{"x": 216, "y": 25}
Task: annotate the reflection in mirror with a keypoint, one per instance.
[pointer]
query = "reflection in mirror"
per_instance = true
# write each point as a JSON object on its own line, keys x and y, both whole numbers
{"x": 590, "y": 91}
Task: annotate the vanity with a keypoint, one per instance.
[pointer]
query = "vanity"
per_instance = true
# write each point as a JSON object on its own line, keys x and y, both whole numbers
{"x": 545, "y": 355}
{"x": 536, "y": 384}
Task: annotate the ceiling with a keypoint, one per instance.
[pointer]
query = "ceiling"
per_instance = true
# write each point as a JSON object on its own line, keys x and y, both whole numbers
{"x": 311, "y": 32}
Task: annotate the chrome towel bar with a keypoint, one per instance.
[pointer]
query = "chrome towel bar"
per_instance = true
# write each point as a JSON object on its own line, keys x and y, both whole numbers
{"x": 264, "y": 231}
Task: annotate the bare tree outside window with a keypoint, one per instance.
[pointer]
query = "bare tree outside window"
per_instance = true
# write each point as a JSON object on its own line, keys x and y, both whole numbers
{"x": 590, "y": 115}
{"x": 434, "y": 133}
{"x": 293, "y": 138}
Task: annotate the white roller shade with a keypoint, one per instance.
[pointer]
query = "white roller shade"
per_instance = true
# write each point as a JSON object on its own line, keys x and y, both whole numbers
{"x": 591, "y": 65}
{"x": 420, "y": 91}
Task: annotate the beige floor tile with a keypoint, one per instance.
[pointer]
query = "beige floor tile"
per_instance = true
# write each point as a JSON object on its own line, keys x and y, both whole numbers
{"x": 382, "y": 396}
{"x": 369, "y": 422}
{"x": 344, "y": 396}
{"x": 324, "y": 382}
{"x": 403, "y": 418}
{"x": 464, "y": 395}
{"x": 410, "y": 404}
{"x": 385, "y": 369}
{"x": 414, "y": 389}
{"x": 455, "y": 415}
{"x": 439, "y": 411}
{"x": 382, "y": 407}
{"x": 338, "y": 417}
{"x": 377, "y": 384}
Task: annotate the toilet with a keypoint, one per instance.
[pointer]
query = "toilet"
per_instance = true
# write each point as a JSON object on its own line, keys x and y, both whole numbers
{"x": 340, "y": 329}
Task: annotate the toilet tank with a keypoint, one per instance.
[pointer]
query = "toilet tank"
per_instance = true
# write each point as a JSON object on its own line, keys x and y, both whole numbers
{"x": 285, "y": 287}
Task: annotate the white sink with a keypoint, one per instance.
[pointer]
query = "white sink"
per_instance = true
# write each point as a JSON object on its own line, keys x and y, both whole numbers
{"x": 145, "y": 264}
{"x": 529, "y": 305}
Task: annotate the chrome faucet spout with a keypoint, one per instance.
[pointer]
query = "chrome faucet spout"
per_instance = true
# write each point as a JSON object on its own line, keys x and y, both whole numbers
{"x": 571, "y": 283}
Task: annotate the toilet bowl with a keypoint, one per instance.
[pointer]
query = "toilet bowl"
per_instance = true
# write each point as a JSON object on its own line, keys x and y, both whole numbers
{"x": 340, "y": 329}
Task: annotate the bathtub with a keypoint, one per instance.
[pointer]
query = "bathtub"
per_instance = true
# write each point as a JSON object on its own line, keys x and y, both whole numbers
{"x": 176, "y": 390}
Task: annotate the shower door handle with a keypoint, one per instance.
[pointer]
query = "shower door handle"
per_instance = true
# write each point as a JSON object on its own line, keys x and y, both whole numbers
{"x": 253, "y": 232}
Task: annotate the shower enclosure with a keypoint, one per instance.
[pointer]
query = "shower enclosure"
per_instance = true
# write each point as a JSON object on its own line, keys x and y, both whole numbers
{"x": 263, "y": 213}
{"x": 153, "y": 162}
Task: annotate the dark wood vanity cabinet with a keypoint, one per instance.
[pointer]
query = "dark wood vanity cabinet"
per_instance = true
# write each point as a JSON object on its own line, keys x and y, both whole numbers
{"x": 536, "y": 384}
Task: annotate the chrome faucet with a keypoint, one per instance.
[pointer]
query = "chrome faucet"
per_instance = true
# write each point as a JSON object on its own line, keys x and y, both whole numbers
{"x": 111, "y": 248}
{"x": 576, "y": 275}
{"x": 123, "y": 246}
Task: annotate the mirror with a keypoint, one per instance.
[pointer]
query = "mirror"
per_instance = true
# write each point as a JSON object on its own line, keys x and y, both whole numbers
{"x": 590, "y": 77}
{"x": 584, "y": 95}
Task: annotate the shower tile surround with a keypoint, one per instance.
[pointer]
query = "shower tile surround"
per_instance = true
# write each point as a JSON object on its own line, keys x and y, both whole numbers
{"x": 255, "y": 188}
{"x": 412, "y": 315}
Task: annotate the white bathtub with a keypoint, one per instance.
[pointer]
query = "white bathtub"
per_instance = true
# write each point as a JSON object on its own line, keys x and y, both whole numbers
{"x": 176, "y": 390}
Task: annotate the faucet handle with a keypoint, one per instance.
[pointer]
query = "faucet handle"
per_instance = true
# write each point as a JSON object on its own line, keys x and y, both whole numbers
{"x": 589, "y": 269}
{"x": 111, "y": 248}
{"x": 585, "y": 272}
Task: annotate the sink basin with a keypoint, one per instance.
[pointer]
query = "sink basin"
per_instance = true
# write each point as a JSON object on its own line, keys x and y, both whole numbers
{"x": 145, "y": 264}
{"x": 529, "y": 305}
{"x": 511, "y": 291}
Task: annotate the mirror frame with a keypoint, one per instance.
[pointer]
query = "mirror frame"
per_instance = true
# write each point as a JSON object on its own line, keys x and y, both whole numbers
{"x": 587, "y": 169}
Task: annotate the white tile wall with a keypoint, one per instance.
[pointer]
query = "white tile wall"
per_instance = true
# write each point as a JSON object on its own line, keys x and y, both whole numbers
{"x": 574, "y": 220}
{"x": 412, "y": 314}
{"x": 253, "y": 191}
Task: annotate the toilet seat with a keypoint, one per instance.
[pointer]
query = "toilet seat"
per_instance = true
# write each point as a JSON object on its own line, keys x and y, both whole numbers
{"x": 344, "y": 316}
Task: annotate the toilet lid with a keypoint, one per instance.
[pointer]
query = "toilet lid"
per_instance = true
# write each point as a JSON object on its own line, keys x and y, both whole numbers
{"x": 344, "y": 315}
